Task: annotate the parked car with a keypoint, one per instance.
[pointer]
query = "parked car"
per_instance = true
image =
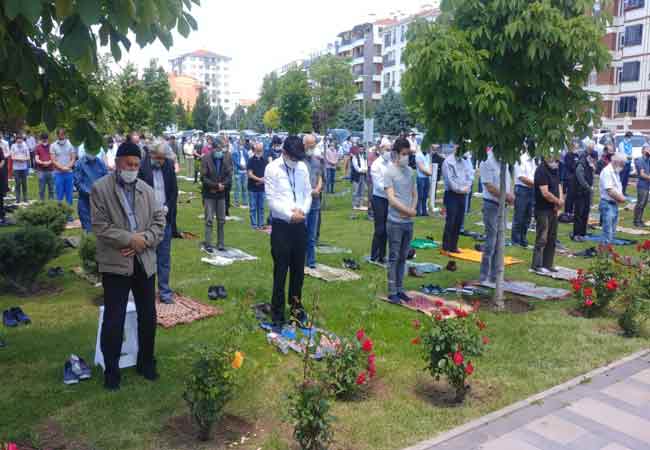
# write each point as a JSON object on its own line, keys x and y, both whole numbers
{"x": 614, "y": 139}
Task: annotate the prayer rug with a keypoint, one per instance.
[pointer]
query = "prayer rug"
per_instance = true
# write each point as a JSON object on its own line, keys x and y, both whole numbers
{"x": 74, "y": 225}
{"x": 320, "y": 342}
{"x": 431, "y": 305}
{"x": 475, "y": 256}
{"x": 183, "y": 310}
{"x": 528, "y": 289}
{"x": 331, "y": 274}
{"x": 424, "y": 244}
{"x": 95, "y": 280}
{"x": 563, "y": 273}
{"x": 235, "y": 254}
{"x": 617, "y": 241}
{"x": 327, "y": 249}
{"x": 218, "y": 261}
{"x": 424, "y": 267}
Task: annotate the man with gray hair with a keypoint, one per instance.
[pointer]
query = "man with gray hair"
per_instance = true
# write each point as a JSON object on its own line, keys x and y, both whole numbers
{"x": 611, "y": 195}
{"x": 216, "y": 179}
{"x": 642, "y": 165}
{"x": 316, "y": 169}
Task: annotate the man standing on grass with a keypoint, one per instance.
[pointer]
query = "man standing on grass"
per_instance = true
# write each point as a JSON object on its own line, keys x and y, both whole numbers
{"x": 583, "y": 193}
{"x": 216, "y": 178}
{"x": 625, "y": 148}
{"x": 129, "y": 225}
{"x": 524, "y": 199}
{"x": 64, "y": 157}
{"x": 643, "y": 185}
{"x": 87, "y": 170}
{"x": 359, "y": 173}
{"x": 44, "y": 167}
{"x": 402, "y": 200}
{"x": 611, "y": 195}
{"x": 315, "y": 167}
{"x": 20, "y": 157}
{"x": 380, "y": 204}
{"x": 549, "y": 201}
{"x": 158, "y": 171}
{"x": 240, "y": 173}
{"x": 331, "y": 162}
{"x": 256, "y": 166}
{"x": 491, "y": 178}
{"x": 423, "y": 164}
{"x": 289, "y": 192}
{"x": 458, "y": 182}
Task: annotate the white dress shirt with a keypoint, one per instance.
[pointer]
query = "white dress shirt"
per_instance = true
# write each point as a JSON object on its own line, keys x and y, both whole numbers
{"x": 287, "y": 189}
{"x": 525, "y": 167}
{"x": 360, "y": 164}
{"x": 609, "y": 179}
{"x": 377, "y": 172}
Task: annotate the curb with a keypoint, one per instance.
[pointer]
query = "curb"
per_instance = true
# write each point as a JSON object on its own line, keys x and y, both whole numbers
{"x": 477, "y": 423}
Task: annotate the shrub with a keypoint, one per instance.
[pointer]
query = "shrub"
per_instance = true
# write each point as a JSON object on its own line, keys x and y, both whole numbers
{"x": 87, "y": 251}
{"x": 635, "y": 295}
{"x": 51, "y": 215}
{"x": 350, "y": 369}
{"x": 309, "y": 412}
{"x": 595, "y": 289}
{"x": 24, "y": 254}
{"x": 210, "y": 386}
{"x": 636, "y": 313}
{"x": 447, "y": 344}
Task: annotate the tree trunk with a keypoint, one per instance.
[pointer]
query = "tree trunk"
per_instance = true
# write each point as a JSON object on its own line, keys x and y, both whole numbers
{"x": 501, "y": 228}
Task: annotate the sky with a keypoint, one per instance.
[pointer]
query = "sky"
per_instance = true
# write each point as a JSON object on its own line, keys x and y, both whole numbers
{"x": 261, "y": 36}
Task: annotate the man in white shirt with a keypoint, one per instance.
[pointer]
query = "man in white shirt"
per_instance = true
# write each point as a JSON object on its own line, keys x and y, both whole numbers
{"x": 289, "y": 195}
{"x": 380, "y": 204}
{"x": 359, "y": 174}
{"x": 524, "y": 199}
{"x": 423, "y": 169}
{"x": 611, "y": 195}
{"x": 20, "y": 156}
{"x": 491, "y": 178}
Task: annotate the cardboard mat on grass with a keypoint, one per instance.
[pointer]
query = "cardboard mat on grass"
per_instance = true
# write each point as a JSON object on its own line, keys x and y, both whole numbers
{"x": 74, "y": 225}
{"x": 563, "y": 273}
{"x": 227, "y": 257}
{"x": 183, "y": 310}
{"x": 331, "y": 274}
{"x": 327, "y": 249}
{"x": 424, "y": 267}
{"x": 430, "y": 305}
{"x": 467, "y": 254}
{"x": 528, "y": 289}
{"x": 616, "y": 241}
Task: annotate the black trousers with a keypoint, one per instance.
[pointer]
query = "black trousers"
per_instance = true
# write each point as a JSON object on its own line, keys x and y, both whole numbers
{"x": 581, "y": 216}
{"x": 546, "y": 236}
{"x": 455, "y": 206}
{"x": 379, "y": 238}
{"x": 288, "y": 248}
{"x": 570, "y": 190}
{"x": 2, "y": 206}
{"x": 228, "y": 201}
{"x": 116, "y": 297}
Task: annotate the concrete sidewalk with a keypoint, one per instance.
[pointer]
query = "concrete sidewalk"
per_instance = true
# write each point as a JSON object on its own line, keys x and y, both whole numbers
{"x": 607, "y": 409}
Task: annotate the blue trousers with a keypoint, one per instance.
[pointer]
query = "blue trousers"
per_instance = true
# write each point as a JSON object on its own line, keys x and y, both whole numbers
{"x": 241, "y": 188}
{"x": 625, "y": 175}
{"x": 609, "y": 217}
{"x": 63, "y": 185}
{"x": 83, "y": 208}
{"x": 163, "y": 255}
{"x": 312, "y": 231}
{"x": 256, "y": 208}
{"x": 423, "y": 184}
{"x": 524, "y": 201}
{"x": 45, "y": 179}
{"x": 455, "y": 206}
{"x": 330, "y": 179}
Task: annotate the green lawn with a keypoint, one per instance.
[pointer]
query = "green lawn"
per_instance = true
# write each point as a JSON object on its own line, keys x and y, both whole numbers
{"x": 529, "y": 352}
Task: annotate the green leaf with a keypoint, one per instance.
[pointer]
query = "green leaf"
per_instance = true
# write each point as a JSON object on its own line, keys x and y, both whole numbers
{"x": 191, "y": 21}
{"x": 49, "y": 115}
{"x": 29, "y": 9}
{"x": 90, "y": 11}
{"x": 183, "y": 27}
{"x": 63, "y": 8}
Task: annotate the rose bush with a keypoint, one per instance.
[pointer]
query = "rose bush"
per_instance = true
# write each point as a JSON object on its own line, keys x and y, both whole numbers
{"x": 596, "y": 288}
{"x": 351, "y": 368}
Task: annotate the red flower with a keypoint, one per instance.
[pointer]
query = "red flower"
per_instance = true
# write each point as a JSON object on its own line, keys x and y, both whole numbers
{"x": 580, "y": 273}
{"x": 361, "y": 379}
{"x": 445, "y": 311}
{"x": 460, "y": 312}
{"x": 372, "y": 371}
{"x": 371, "y": 358}
{"x": 577, "y": 284}
{"x": 612, "y": 285}
{"x": 589, "y": 302}
{"x": 438, "y": 317}
{"x": 480, "y": 324}
{"x": 646, "y": 245}
{"x": 476, "y": 305}
{"x": 361, "y": 335}
{"x": 469, "y": 368}
{"x": 416, "y": 324}
{"x": 486, "y": 340}
{"x": 588, "y": 292}
{"x": 439, "y": 303}
{"x": 367, "y": 346}
{"x": 416, "y": 341}
{"x": 458, "y": 358}
{"x": 610, "y": 248}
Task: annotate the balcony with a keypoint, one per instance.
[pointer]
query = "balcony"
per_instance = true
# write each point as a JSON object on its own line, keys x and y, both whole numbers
{"x": 388, "y": 62}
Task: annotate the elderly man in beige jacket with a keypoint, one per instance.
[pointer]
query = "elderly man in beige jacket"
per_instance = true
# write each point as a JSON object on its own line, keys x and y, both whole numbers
{"x": 129, "y": 225}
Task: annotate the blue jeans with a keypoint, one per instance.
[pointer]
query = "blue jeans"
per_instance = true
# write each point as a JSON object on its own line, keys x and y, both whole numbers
{"x": 312, "y": 231}
{"x": 45, "y": 178}
{"x": 63, "y": 185}
{"x": 330, "y": 179}
{"x": 399, "y": 241}
{"x": 256, "y": 208}
{"x": 489, "y": 258}
{"x": 424, "y": 184}
{"x": 524, "y": 200}
{"x": 609, "y": 216}
{"x": 241, "y": 188}
{"x": 83, "y": 208}
{"x": 20, "y": 176}
{"x": 163, "y": 255}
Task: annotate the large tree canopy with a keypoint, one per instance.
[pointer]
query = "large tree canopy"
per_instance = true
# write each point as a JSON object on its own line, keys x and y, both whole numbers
{"x": 48, "y": 52}
{"x": 294, "y": 102}
{"x": 391, "y": 116}
{"x": 201, "y": 112}
{"x": 159, "y": 98}
{"x": 498, "y": 71}
{"x": 332, "y": 88}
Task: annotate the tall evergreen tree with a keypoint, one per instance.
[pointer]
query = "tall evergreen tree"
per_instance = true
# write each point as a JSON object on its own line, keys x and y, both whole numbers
{"x": 132, "y": 108}
{"x": 391, "y": 115}
{"x": 350, "y": 117}
{"x": 270, "y": 92}
{"x": 159, "y": 98}
{"x": 201, "y": 112}
{"x": 294, "y": 102}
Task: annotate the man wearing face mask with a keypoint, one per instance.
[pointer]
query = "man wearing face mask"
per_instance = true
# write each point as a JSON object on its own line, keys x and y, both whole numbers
{"x": 583, "y": 191}
{"x": 315, "y": 167}
{"x": 359, "y": 173}
{"x": 625, "y": 148}
{"x": 289, "y": 193}
{"x": 87, "y": 170}
{"x": 380, "y": 203}
{"x": 159, "y": 172}
{"x": 63, "y": 158}
{"x": 642, "y": 186}
{"x": 549, "y": 200}
{"x": 216, "y": 179}
{"x": 458, "y": 182}
{"x": 611, "y": 195}
{"x": 276, "y": 149}
{"x": 129, "y": 225}
{"x": 256, "y": 166}
{"x": 524, "y": 196}
{"x": 423, "y": 166}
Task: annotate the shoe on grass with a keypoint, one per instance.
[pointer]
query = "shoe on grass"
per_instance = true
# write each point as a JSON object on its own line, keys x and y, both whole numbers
{"x": 213, "y": 293}
{"x": 209, "y": 249}
{"x": 80, "y": 368}
{"x": 20, "y": 316}
{"x": 9, "y": 319}
{"x": 167, "y": 300}
{"x": 402, "y": 296}
{"x": 148, "y": 371}
{"x": 395, "y": 299}
{"x": 221, "y": 292}
{"x": 69, "y": 376}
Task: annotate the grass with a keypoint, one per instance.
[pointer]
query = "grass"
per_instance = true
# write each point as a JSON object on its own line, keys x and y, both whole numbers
{"x": 528, "y": 353}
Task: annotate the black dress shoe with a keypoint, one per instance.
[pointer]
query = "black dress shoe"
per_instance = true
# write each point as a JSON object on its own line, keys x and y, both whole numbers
{"x": 221, "y": 292}
{"x": 112, "y": 381}
{"x": 213, "y": 293}
{"x": 148, "y": 371}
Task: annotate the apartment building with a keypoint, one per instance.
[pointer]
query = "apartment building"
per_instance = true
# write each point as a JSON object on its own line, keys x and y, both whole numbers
{"x": 394, "y": 38}
{"x": 213, "y": 73}
{"x": 625, "y": 85}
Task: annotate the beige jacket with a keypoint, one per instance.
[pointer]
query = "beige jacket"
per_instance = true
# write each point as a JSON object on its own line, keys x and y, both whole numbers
{"x": 111, "y": 226}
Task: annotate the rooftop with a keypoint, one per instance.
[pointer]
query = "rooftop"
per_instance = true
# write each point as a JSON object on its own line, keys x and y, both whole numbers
{"x": 204, "y": 54}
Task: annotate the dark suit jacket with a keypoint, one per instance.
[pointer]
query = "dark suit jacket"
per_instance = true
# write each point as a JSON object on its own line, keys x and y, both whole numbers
{"x": 171, "y": 184}
{"x": 210, "y": 178}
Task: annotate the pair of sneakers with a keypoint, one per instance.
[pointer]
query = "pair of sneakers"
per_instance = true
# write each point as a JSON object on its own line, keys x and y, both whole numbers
{"x": 75, "y": 369}
{"x": 211, "y": 250}
{"x": 15, "y": 316}
{"x": 398, "y": 298}
{"x": 217, "y": 292}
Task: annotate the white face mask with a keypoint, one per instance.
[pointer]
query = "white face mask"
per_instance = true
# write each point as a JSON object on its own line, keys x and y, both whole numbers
{"x": 618, "y": 169}
{"x": 554, "y": 165}
{"x": 386, "y": 156}
{"x": 129, "y": 176}
{"x": 290, "y": 163}
{"x": 404, "y": 161}
{"x": 310, "y": 152}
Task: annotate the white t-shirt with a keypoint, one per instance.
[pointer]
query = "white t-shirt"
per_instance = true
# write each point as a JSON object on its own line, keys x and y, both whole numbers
{"x": 609, "y": 179}
{"x": 525, "y": 168}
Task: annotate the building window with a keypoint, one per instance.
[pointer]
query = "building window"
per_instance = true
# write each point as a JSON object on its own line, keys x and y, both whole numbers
{"x": 633, "y": 4}
{"x": 633, "y": 35}
{"x": 627, "y": 105}
{"x": 387, "y": 39}
{"x": 387, "y": 79}
{"x": 631, "y": 71}
{"x": 404, "y": 30}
